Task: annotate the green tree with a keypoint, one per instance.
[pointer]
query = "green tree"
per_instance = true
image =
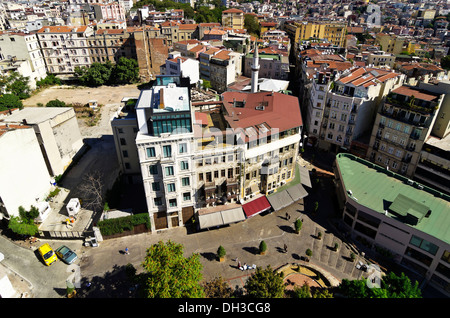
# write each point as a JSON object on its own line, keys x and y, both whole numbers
{"x": 49, "y": 80}
{"x": 16, "y": 84}
{"x": 221, "y": 251}
{"x": 24, "y": 223}
{"x": 251, "y": 24}
{"x": 10, "y": 101}
{"x": 168, "y": 274}
{"x": 265, "y": 283}
{"x": 217, "y": 288}
{"x": 126, "y": 71}
{"x": 302, "y": 292}
{"x": 55, "y": 103}
{"x": 97, "y": 74}
{"x": 391, "y": 286}
{"x": 400, "y": 286}
{"x": 445, "y": 62}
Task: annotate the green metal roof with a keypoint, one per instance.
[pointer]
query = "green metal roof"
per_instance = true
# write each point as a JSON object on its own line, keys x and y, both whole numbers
{"x": 382, "y": 190}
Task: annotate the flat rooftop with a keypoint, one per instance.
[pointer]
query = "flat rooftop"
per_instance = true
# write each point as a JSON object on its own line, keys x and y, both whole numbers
{"x": 36, "y": 115}
{"x": 378, "y": 188}
{"x": 165, "y": 99}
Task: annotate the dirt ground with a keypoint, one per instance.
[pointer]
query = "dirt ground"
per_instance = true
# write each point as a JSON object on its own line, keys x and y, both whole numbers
{"x": 103, "y": 94}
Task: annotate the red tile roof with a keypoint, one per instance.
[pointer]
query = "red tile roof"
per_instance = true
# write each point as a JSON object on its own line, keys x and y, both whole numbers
{"x": 408, "y": 91}
{"x": 62, "y": 29}
{"x": 280, "y": 111}
{"x": 233, "y": 10}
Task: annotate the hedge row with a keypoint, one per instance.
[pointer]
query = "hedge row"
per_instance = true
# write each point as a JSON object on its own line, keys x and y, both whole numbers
{"x": 127, "y": 223}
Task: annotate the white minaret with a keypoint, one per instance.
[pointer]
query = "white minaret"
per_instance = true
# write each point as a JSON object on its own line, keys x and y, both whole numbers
{"x": 255, "y": 70}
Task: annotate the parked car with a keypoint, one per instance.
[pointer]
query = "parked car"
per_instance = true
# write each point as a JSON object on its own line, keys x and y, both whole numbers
{"x": 66, "y": 254}
{"x": 47, "y": 254}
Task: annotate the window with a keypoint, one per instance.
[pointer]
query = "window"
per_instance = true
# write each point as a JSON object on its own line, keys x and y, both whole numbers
{"x": 167, "y": 151}
{"x": 184, "y": 165}
{"x": 186, "y": 196}
{"x": 150, "y": 152}
{"x": 183, "y": 148}
{"x": 424, "y": 245}
{"x": 172, "y": 203}
{"x": 185, "y": 181}
{"x": 157, "y": 201}
{"x": 155, "y": 186}
{"x": 123, "y": 142}
{"x": 153, "y": 169}
{"x": 171, "y": 187}
{"x": 169, "y": 171}
{"x": 125, "y": 153}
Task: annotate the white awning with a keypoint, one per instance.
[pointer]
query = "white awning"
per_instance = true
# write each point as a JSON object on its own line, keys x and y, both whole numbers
{"x": 305, "y": 178}
{"x": 219, "y": 218}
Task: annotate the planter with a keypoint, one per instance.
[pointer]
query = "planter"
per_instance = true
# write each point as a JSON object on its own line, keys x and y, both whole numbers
{"x": 222, "y": 259}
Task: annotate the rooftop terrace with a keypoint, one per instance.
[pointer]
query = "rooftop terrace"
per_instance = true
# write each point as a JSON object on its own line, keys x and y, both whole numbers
{"x": 418, "y": 206}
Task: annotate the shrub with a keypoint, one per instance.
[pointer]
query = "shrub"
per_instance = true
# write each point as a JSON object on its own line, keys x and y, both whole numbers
{"x": 55, "y": 103}
{"x": 298, "y": 225}
{"x": 221, "y": 251}
{"x": 336, "y": 246}
{"x": 262, "y": 247}
{"x": 127, "y": 223}
{"x": 308, "y": 252}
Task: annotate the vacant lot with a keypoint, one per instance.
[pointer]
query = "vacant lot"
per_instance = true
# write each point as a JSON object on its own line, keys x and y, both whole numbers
{"x": 108, "y": 97}
{"x": 103, "y": 94}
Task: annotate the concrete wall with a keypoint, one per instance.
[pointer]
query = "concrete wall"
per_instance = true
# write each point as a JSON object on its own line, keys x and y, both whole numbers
{"x": 23, "y": 171}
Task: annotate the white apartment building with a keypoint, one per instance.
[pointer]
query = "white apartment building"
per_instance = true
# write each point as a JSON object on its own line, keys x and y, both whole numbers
{"x": 57, "y": 133}
{"x": 348, "y": 105}
{"x": 64, "y": 48}
{"x": 24, "y": 174}
{"x": 24, "y": 46}
{"x": 165, "y": 144}
{"x": 176, "y": 65}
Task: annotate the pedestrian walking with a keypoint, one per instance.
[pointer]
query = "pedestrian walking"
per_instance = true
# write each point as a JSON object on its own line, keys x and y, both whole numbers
{"x": 285, "y": 248}
{"x": 288, "y": 217}
{"x": 127, "y": 251}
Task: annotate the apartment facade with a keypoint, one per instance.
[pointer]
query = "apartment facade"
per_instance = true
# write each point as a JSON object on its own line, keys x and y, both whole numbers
{"x": 350, "y": 104}
{"x": 332, "y": 31}
{"x": 402, "y": 124}
{"x": 225, "y": 66}
{"x": 165, "y": 145}
{"x": 271, "y": 65}
{"x": 402, "y": 220}
{"x": 64, "y": 48}
{"x": 24, "y": 46}
{"x": 233, "y": 18}
{"x": 176, "y": 65}
{"x": 269, "y": 126}
{"x": 390, "y": 43}
{"x": 111, "y": 44}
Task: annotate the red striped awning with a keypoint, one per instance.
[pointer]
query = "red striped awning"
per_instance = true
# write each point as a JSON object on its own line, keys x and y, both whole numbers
{"x": 256, "y": 206}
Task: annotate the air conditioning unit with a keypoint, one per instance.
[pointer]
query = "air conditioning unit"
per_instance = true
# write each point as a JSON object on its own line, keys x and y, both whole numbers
{"x": 410, "y": 182}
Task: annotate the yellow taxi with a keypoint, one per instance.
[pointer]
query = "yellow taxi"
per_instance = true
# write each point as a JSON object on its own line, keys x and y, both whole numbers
{"x": 48, "y": 255}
